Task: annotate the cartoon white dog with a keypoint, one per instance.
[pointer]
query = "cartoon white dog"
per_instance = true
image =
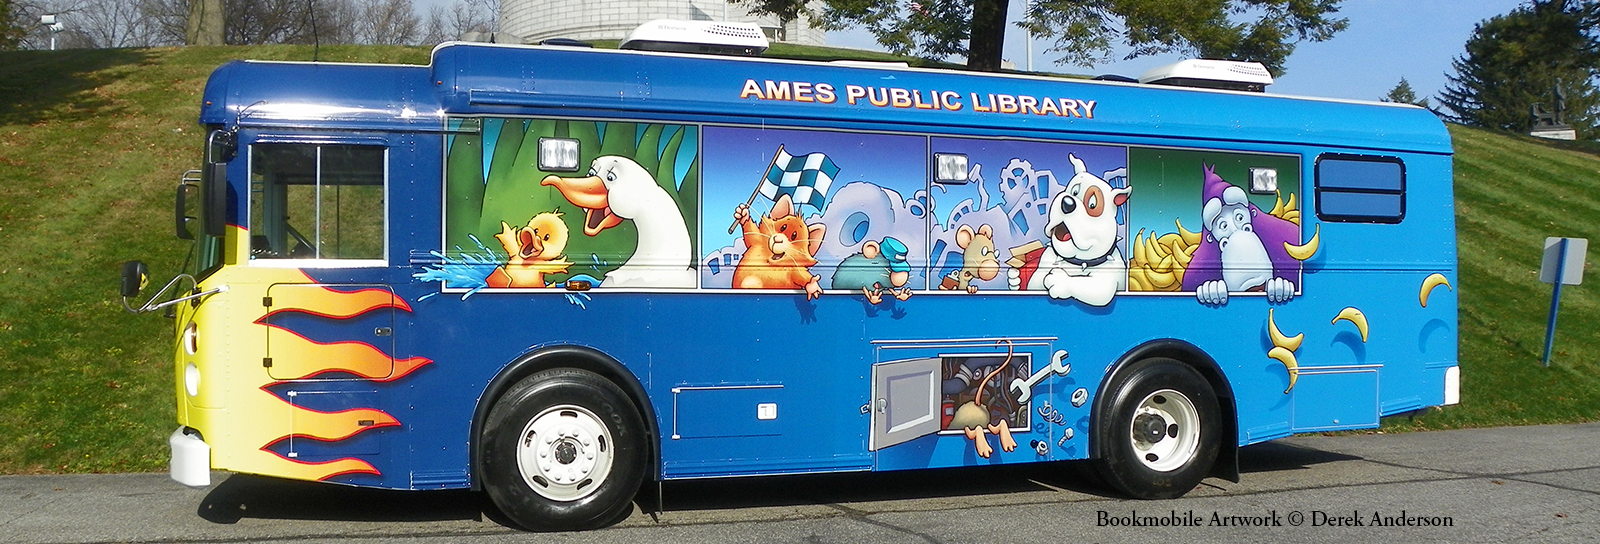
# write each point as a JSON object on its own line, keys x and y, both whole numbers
{"x": 1082, "y": 260}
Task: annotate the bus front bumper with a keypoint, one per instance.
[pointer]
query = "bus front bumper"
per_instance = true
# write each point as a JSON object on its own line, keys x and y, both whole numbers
{"x": 191, "y": 459}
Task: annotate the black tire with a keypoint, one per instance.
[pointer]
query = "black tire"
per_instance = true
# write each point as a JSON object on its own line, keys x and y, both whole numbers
{"x": 1152, "y": 393}
{"x": 570, "y": 486}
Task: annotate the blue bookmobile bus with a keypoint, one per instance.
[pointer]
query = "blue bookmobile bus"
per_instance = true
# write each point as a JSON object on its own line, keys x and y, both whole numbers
{"x": 556, "y": 274}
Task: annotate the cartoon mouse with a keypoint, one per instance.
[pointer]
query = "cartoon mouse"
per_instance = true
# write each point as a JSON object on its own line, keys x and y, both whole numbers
{"x": 977, "y": 259}
{"x": 779, "y": 251}
{"x": 534, "y": 249}
{"x": 974, "y": 417}
{"x": 878, "y": 268}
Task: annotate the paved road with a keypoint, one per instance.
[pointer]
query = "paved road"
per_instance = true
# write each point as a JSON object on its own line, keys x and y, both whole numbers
{"x": 1521, "y": 484}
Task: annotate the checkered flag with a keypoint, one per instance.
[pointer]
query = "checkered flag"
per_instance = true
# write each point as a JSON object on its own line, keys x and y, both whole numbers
{"x": 805, "y": 178}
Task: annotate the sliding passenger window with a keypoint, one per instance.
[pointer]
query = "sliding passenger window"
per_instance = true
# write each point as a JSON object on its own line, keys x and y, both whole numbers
{"x": 1361, "y": 189}
{"x": 310, "y": 201}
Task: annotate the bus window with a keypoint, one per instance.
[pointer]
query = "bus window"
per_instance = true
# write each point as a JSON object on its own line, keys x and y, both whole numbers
{"x": 1361, "y": 189}
{"x": 994, "y": 232}
{"x": 310, "y": 201}
{"x": 815, "y": 210}
{"x": 569, "y": 204}
{"x": 1202, "y": 225}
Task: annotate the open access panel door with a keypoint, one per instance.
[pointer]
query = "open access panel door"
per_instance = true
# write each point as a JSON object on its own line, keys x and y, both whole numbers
{"x": 905, "y": 401}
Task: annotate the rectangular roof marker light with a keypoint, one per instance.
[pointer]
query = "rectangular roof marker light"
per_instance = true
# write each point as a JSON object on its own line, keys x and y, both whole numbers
{"x": 1211, "y": 74}
{"x": 705, "y": 37}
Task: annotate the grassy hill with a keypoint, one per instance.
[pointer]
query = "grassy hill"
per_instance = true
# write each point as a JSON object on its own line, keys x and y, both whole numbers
{"x": 92, "y": 143}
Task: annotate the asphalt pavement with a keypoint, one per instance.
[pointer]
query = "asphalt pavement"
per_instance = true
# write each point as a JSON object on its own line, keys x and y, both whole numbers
{"x": 1512, "y": 484}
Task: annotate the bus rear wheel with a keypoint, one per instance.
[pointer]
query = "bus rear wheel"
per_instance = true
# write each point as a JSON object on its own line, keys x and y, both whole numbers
{"x": 1159, "y": 429}
{"x": 563, "y": 450}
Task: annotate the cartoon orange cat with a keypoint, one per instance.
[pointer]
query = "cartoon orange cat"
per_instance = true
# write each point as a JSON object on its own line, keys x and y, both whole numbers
{"x": 535, "y": 250}
{"x": 779, "y": 251}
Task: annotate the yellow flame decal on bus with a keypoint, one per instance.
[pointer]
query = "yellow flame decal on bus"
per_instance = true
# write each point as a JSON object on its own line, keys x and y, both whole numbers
{"x": 327, "y": 302}
{"x": 303, "y": 470}
{"x": 295, "y": 357}
{"x": 269, "y": 405}
{"x": 336, "y": 426}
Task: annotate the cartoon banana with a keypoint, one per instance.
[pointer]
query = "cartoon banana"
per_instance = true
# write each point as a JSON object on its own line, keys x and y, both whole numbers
{"x": 1166, "y": 263}
{"x": 1158, "y": 251}
{"x": 1160, "y": 278}
{"x": 1136, "y": 279}
{"x": 1303, "y": 252}
{"x": 1356, "y": 318}
{"x": 1289, "y": 363}
{"x": 1139, "y": 255}
{"x": 1433, "y": 281}
{"x": 1189, "y": 238}
{"x": 1290, "y": 343}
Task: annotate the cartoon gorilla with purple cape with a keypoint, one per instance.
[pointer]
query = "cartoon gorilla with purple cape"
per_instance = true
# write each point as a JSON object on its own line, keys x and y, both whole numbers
{"x": 1243, "y": 247}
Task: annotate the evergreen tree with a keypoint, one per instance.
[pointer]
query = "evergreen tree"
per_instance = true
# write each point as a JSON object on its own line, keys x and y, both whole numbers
{"x": 1518, "y": 59}
{"x": 1402, "y": 93}
{"x": 1084, "y": 31}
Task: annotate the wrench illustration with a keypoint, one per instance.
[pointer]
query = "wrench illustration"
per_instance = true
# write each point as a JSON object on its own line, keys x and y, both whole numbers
{"x": 1024, "y": 388}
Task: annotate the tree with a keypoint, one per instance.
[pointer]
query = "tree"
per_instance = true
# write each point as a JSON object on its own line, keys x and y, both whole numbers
{"x": 204, "y": 23}
{"x": 12, "y": 29}
{"x": 1515, "y": 60}
{"x": 1402, "y": 94}
{"x": 1084, "y": 31}
{"x": 387, "y": 22}
{"x": 464, "y": 17}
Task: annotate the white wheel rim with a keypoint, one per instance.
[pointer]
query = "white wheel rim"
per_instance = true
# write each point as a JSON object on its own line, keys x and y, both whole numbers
{"x": 565, "y": 453}
{"x": 1165, "y": 433}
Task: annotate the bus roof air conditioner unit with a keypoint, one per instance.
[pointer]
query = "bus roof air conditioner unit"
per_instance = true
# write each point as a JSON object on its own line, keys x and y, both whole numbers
{"x": 706, "y": 37}
{"x": 1211, "y": 74}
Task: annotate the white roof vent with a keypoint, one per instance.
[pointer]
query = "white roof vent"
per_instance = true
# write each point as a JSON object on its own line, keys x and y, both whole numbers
{"x": 709, "y": 37}
{"x": 1211, "y": 74}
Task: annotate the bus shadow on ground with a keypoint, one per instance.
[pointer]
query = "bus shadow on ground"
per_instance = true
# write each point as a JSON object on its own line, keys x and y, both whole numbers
{"x": 246, "y": 496}
{"x": 854, "y": 487}
{"x": 1280, "y": 457}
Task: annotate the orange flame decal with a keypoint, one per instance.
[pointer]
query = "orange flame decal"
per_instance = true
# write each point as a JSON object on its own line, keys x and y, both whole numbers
{"x": 303, "y": 470}
{"x": 296, "y": 357}
{"x": 336, "y": 426}
{"x": 327, "y": 302}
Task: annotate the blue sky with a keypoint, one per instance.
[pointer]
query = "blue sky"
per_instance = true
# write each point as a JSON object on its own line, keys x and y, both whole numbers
{"x": 1386, "y": 40}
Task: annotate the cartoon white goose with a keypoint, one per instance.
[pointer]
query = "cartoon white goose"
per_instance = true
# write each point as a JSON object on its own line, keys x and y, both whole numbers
{"x": 618, "y": 189}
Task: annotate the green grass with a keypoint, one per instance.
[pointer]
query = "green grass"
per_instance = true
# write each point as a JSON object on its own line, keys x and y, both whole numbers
{"x": 92, "y": 142}
{"x": 1512, "y": 192}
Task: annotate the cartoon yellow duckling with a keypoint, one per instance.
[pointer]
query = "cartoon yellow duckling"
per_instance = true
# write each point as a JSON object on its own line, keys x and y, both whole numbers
{"x": 534, "y": 249}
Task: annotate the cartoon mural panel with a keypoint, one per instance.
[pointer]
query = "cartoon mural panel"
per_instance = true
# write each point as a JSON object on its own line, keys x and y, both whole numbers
{"x": 541, "y": 203}
{"x": 814, "y": 210}
{"x": 1054, "y": 215}
{"x": 1239, "y": 246}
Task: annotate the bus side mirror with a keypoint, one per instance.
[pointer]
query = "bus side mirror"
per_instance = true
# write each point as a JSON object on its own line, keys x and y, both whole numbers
{"x": 214, "y": 199}
{"x": 134, "y": 278}
{"x": 221, "y": 147}
{"x": 182, "y": 202}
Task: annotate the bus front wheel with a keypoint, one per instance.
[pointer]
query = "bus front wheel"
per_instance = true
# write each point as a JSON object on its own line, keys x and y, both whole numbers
{"x": 563, "y": 450}
{"x": 1159, "y": 429}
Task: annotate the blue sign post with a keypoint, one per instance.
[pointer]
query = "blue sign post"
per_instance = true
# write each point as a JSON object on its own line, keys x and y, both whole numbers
{"x": 1563, "y": 263}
